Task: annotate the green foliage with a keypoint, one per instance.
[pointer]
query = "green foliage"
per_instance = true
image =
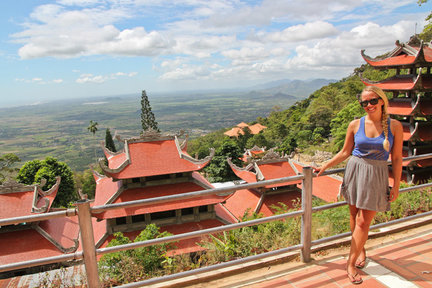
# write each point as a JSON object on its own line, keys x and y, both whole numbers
{"x": 109, "y": 142}
{"x": 7, "y": 162}
{"x": 33, "y": 171}
{"x": 86, "y": 182}
{"x": 92, "y": 128}
{"x": 140, "y": 263}
{"x": 426, "y": 34}
{"x": 407, "y": 204}
{"x": 148, "y": 120}
{"x": 253, "y": 240}
{"x": 339, "y": 124}
{"x": 218, "y": 169}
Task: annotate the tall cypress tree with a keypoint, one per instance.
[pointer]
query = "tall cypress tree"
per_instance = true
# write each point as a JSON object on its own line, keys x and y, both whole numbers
{"x": 109, "y": 142}
{"x": 148, "y": 120}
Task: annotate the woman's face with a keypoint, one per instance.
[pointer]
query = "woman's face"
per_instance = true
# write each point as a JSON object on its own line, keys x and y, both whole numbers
{"x": 371, "y": 102}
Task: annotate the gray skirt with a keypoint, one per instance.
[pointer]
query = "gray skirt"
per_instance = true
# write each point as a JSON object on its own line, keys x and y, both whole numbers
{"x": 365, "y": 184}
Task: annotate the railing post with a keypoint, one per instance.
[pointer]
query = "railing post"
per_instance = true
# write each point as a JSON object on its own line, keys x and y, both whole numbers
{"x": 88, "y": 244}
{"x": 306, "y": 225}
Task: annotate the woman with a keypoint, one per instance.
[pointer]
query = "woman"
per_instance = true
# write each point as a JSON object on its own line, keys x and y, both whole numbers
{"x": 370, "y": 140}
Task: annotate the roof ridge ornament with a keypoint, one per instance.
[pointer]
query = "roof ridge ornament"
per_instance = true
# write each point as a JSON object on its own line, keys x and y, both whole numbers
{"x": 39, "y": 192}
{"x": 248, "y": 167}
{"x": 272, "y": 156}
{"x": 109, "y": 152}
{"x": 47, "y": 236}
{"x": 190, "y": 158}
{"x": 11, "y": 186}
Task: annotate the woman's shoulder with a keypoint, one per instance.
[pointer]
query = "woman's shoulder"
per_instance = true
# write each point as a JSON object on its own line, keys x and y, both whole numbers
{"x": 354, "y": 125}
{"x": 395, "y": 125}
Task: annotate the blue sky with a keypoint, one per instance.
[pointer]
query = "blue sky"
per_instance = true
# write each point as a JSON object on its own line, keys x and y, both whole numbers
{"x": 84, "y": 48}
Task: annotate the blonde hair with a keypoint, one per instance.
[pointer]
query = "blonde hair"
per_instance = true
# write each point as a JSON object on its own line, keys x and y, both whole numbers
{"x": 384, "y": 116}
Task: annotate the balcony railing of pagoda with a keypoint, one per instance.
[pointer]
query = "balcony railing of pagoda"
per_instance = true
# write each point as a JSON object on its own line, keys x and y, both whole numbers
{"x": 89, "y": 253}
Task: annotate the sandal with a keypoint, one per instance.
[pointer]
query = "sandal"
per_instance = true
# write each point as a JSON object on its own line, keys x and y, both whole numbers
{"x": 361, "y": 264}
{"x": 354, "y": 280}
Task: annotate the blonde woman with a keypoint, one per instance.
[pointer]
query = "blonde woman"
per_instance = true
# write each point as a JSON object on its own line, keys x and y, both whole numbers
{"x": 370, "y": 140}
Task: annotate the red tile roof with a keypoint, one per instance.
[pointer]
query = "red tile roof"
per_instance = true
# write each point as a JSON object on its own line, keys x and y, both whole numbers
{"x": 149, "y": 158}
{"x": 276, "y": 170}
{"x": 413, "y": 53}
{"x": 63, "y": 230}
{"x": 400, "y": 106}
{"x": 272, "y": 200}
{"x": 24, "y": 245}
{"x": 323, "y": 187}
{"x": 241, "y": 201}
{"x": 238, "y": 130}
{"x": 17, "y": 199}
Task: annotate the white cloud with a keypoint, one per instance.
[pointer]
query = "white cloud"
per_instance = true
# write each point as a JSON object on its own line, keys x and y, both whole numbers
{"x": 302, "y": 32}
{"x": 219, "y": 39}
{"x": 90, "y": 78}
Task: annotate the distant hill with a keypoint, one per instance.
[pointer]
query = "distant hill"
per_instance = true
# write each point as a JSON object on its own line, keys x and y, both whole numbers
{"x": 297, "y": 88}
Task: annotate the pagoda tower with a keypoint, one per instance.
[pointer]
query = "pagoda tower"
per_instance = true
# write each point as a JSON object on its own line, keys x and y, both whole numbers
{"x": 156, "y": 165}
{"x": 412, "y": 100}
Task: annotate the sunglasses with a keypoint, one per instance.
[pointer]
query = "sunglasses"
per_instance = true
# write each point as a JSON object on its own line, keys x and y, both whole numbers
{"x": 373, "y": 101}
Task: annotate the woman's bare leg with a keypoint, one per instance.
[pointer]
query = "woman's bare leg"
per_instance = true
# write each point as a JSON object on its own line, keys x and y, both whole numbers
{"x": 353, "y": 215}
{"x": 362, "y": 220}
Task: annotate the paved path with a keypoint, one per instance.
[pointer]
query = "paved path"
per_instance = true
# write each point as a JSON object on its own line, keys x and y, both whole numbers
{"x": 398, "y": 260}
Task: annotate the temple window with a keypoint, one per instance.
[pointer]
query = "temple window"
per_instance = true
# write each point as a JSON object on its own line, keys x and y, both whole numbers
{"x": 187, "y": 211}
{"x": 162, "y": 215}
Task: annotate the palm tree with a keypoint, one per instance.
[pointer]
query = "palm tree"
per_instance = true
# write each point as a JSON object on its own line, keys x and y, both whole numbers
{"x": 92, "y": 128}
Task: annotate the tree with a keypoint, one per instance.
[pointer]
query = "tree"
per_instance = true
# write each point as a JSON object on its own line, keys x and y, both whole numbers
{"x": 86, "y": 182}
{"x": 148, "y": 120}
{"x": 33, "y": 171}
{"x": 92, "y": 128}
{"x": 6, "y": 162}
{"x": 219, "y": 170}
{"x": 426, "y": 34}
{"x": 109, "y": 142}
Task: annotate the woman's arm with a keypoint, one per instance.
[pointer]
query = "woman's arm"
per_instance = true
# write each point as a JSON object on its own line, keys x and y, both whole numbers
{"x": 396, "y": 157}
{"x": 346, "y": 149}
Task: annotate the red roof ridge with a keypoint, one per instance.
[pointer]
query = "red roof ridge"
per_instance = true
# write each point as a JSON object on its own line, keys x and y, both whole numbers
{"x": 405, "y": 54}
{"x": 398, "y": 82}
{"x": 47, "y": 236}
{"x": 123, "y": 159}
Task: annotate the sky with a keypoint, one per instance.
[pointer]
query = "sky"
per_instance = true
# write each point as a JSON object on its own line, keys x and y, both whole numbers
{"x": 67, "y": 49}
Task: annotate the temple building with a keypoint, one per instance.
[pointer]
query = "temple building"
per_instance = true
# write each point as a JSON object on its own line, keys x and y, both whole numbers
{"x": 412, "y": 101}
{"x": 264, "y": 200}
{"x": 156, "y": 165}
{"x": 34, "y": 240}
{"x": 238, "y": 129}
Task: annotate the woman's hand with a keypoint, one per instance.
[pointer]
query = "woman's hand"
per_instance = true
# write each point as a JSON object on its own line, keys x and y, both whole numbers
{"x": 394, "y": 194}
{"x": 319, "y": 170}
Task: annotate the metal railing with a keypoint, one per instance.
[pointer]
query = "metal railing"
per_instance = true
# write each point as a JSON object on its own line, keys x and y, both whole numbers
{"x": 85, "y": 212}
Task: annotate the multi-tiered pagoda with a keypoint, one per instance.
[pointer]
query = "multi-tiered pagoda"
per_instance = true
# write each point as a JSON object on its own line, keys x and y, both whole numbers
{"x": 156, "y": 165}
{"x": 412, "y": 101}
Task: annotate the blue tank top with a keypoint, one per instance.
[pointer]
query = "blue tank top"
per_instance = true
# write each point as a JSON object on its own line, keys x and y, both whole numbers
{"x": 371, "y": 148}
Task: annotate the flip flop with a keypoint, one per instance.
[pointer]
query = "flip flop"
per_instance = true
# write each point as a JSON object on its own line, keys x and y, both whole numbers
{"x": 361, "y": 264}
{"x": 354, "y": 280}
